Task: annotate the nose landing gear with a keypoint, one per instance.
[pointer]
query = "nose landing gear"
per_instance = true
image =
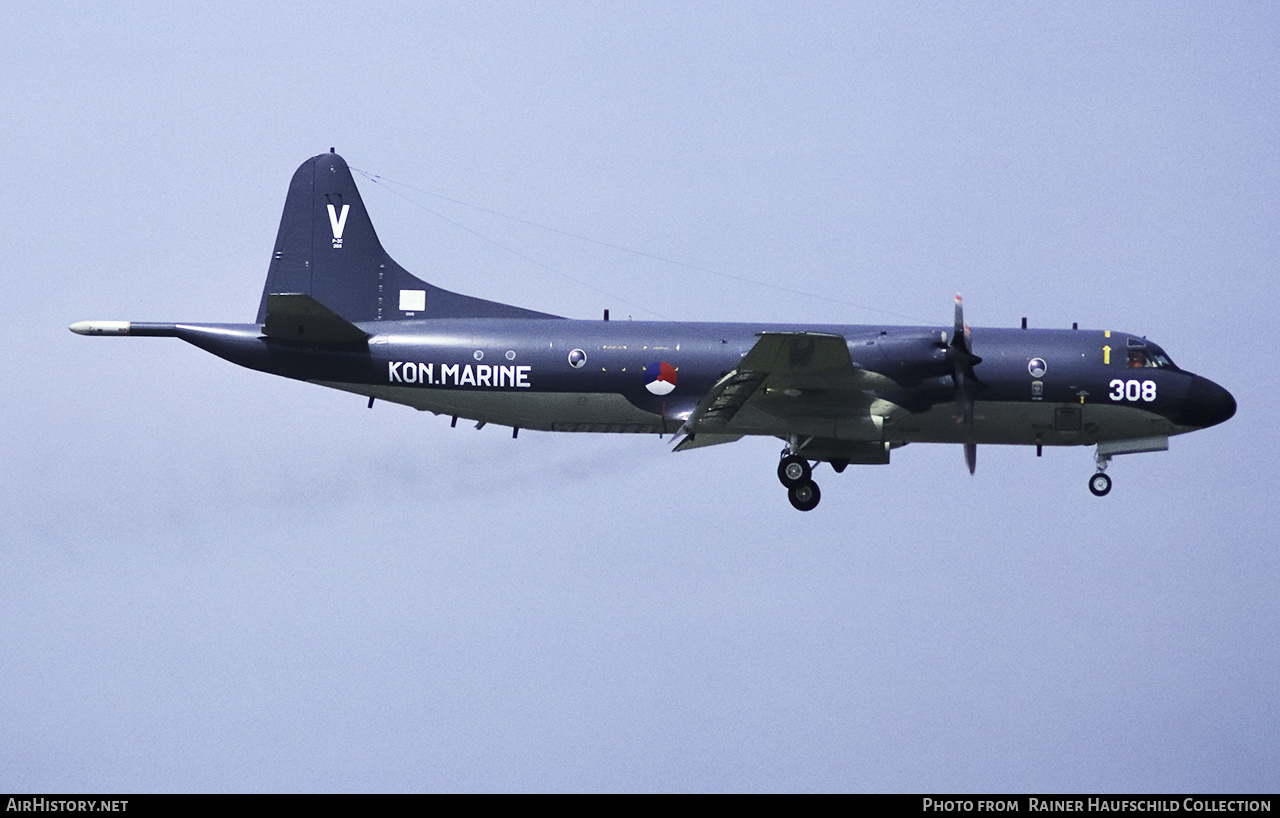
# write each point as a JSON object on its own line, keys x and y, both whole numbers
{"x": 1100, "y": 484}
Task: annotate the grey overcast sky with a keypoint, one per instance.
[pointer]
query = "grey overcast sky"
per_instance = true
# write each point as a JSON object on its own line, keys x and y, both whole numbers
{"x": 214, "y": 580}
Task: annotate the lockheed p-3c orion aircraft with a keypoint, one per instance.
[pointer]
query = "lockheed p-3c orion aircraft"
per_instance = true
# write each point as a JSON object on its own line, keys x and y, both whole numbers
{"x": 339, "y": 312}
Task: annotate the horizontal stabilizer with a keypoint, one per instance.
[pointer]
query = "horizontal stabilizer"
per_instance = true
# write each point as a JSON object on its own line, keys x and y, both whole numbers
{"x": 300, "y": 318}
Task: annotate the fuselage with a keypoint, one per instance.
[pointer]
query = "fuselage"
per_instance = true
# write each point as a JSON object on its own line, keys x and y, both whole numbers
{"x": 1034, "y": 386}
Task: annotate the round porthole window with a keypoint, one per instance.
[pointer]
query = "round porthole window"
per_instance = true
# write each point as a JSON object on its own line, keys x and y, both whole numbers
{"x": 1037, "y": 367}
{"x": 479, "y": 355}
{"x": 511, "y": 354}
{"x": 577, "y": 358}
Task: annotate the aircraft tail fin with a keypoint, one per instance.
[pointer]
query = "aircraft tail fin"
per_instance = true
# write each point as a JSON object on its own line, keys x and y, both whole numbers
{"x": 327, "y": 250}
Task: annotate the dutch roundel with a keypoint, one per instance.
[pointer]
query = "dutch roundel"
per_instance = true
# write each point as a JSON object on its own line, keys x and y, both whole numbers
{"x": 660, "y": 378}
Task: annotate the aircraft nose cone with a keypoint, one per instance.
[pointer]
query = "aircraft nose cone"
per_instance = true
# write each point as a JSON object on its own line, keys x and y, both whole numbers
{"x": 1207, "y": 404}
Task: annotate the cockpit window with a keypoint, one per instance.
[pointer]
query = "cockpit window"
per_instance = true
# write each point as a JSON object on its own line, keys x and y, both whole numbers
{"x": 1161, "y": 360}
{"x": 1149, "y": 356}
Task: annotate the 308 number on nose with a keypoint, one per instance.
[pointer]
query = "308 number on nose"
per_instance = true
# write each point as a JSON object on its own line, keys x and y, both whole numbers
{"x": 1132, "y": 390}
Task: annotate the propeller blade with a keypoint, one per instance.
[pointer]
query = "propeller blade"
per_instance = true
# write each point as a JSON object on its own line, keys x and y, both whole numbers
{"x": 963, "y": 360}
{"x": 964, "y": 413}
{"x": 960, "y": 349}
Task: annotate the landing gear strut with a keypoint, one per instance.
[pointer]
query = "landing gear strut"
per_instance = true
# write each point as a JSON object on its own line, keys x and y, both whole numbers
{"x": 796, "y": 474}
{"x": 1100, "y": 484}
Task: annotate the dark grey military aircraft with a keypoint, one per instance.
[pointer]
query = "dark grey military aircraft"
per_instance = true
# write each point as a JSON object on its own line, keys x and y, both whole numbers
{"x": 337, "y": 311}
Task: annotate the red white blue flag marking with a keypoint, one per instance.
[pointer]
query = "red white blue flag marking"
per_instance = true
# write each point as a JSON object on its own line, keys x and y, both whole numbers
{"x": 660, "y": 378}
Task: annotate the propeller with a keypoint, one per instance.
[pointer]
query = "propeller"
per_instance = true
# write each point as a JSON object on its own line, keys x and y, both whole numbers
{"x": 960, "y": 355}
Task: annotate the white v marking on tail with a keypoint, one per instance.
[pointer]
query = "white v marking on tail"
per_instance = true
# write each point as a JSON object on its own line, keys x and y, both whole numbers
{"x": 338, "y": 222}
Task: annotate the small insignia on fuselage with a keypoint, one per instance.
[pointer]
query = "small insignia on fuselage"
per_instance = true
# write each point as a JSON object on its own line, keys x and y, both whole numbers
{"x": 660, "y": 378}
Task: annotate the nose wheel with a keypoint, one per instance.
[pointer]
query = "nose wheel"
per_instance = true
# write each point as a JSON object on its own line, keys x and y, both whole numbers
{"x": 1099, "y": 484}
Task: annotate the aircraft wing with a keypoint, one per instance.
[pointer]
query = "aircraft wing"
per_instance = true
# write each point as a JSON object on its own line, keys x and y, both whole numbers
{"x": 788, "y": 383}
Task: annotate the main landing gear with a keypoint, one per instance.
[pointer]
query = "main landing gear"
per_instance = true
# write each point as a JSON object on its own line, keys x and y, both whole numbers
{"x": 796, "y": 474}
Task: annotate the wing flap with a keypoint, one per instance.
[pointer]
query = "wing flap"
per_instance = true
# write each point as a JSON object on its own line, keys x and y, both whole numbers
{"x": 724, "y": 400}
{"x": 704, "y": 439}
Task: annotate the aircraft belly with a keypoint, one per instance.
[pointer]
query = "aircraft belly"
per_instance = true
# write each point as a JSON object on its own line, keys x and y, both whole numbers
{"x": 1023, "y": 423}
{"x": 543, "y": 411}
